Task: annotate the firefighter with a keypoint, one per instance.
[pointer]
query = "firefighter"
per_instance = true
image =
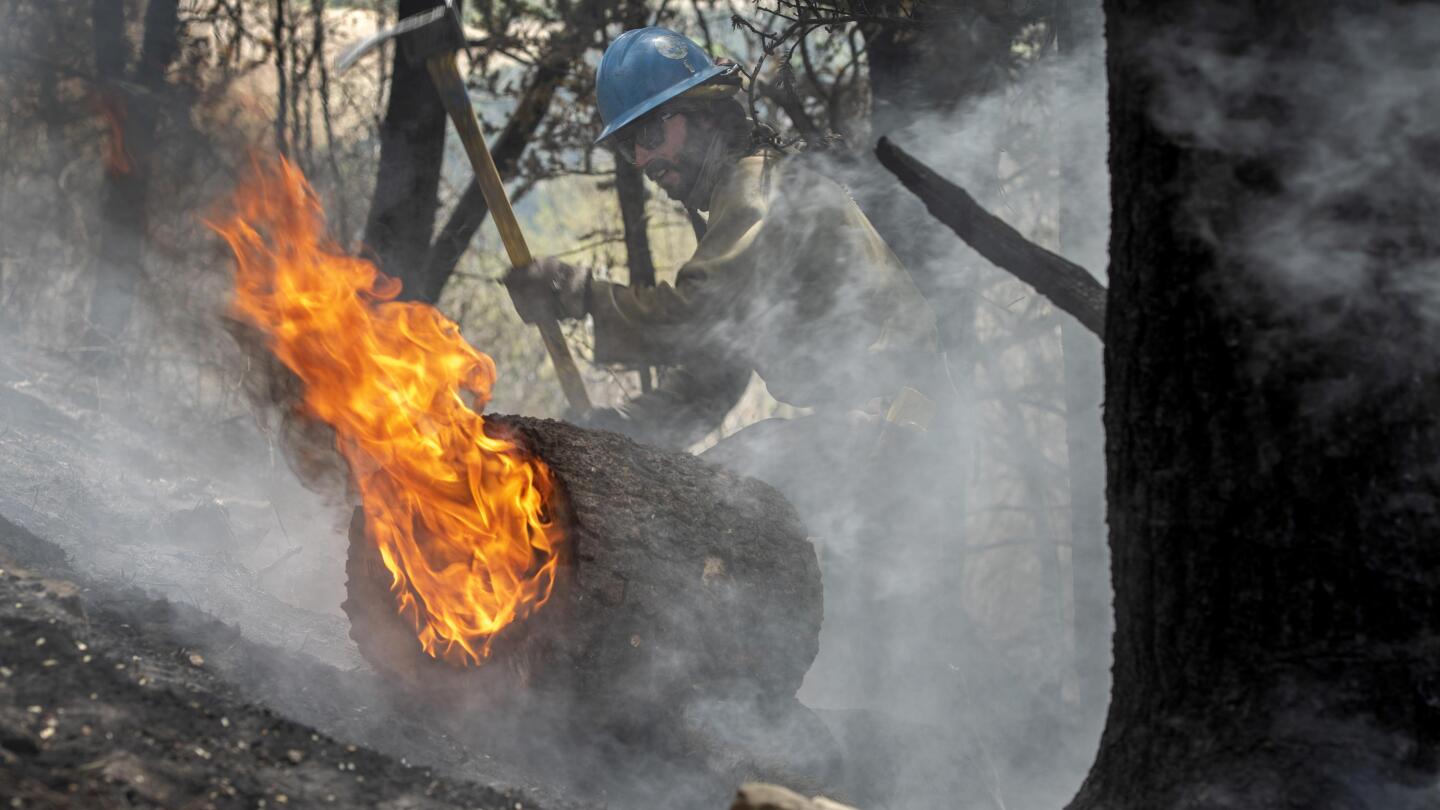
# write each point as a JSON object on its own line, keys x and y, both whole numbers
{"x": 790, "y": 279}
{"x": 792, "y": 282}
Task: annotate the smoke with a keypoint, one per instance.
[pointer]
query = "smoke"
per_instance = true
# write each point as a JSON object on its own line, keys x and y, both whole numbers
{"x": 945, "y": 556}
{"x": 943, "y": 673}
{"x": 1343, "y": 111}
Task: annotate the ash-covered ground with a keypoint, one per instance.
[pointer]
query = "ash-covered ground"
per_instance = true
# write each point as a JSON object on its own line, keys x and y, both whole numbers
{"x": 113, "y": 699}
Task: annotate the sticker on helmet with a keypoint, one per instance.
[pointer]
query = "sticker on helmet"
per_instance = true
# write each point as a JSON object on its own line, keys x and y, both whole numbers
{"x": 671, "y": 47}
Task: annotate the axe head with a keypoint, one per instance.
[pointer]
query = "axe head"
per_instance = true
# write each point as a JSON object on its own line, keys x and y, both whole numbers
{"x": 421, "y": 36}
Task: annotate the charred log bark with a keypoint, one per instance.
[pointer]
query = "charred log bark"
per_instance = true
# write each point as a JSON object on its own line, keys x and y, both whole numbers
{"x": 1067, "y": 285}
{"x": 678, "y": 580}
{"x": 704, "y": 586}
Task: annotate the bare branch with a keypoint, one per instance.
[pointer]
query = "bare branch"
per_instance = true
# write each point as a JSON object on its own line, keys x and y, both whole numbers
{"x": 1069, "y": 286}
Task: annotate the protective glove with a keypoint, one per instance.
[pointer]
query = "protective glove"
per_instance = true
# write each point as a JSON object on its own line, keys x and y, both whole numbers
{"x": 549, "y": 289}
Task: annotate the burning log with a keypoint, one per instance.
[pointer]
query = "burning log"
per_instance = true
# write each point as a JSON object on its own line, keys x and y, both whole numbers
{"x": 512, "y": 566}
{"x": 706, "y": 585}
{"x": 462, "y": 519}
{"x": 470, "y": 523}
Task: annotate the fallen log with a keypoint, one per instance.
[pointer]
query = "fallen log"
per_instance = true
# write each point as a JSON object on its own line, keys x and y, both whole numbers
{"x": 703, "y": 586}
{"x": 1069, "y": 286}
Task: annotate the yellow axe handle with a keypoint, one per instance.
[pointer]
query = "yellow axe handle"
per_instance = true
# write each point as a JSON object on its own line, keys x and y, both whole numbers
{"x": 446, "y": 76}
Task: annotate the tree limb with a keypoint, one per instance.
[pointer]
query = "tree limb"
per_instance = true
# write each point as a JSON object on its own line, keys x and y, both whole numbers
{"x": 406, "y": 201}
{"x": 1067, "y": 285}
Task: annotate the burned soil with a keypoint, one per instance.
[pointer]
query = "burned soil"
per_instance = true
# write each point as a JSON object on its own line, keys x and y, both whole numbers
{"x": 114, "y": 699}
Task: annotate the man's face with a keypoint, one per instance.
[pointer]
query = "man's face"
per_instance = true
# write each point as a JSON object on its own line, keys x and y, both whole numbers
{"x": 660, "y": 146}
{"x": 661, "y": 162}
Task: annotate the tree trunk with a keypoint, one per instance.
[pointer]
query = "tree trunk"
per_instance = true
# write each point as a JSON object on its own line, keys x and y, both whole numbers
{"x": 412, "y": 151}
{"x": 630, "y": 188}
{"x": 120, "y": 261}
{"x": 280, "y": 38}
{"x": 1271, "y": 420}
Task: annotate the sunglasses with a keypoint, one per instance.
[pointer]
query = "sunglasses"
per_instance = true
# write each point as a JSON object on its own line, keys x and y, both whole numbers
{"x": 648, "y": 132}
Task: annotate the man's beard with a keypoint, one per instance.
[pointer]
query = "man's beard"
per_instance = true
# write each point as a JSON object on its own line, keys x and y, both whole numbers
{"x": 688, "y": 164}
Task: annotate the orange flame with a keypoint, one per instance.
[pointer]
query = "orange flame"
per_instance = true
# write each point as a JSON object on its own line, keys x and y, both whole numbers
{"x": 460, "y": 518}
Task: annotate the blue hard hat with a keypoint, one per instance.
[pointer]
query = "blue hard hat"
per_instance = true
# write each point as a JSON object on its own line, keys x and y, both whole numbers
{"x": 644, "y": 68}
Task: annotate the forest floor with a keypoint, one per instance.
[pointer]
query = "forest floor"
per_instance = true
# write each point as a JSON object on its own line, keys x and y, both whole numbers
{"x": 114, "y": 699}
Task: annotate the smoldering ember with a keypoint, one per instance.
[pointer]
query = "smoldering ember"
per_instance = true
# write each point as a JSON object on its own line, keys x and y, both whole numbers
{"x": 777, "y": 405}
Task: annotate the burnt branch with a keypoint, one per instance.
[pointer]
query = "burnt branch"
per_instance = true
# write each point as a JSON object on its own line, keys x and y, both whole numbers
{"x": 1067, "y": 285}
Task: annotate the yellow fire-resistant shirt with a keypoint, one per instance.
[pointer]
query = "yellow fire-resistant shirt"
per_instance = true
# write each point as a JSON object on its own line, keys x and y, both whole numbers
{"x": 791, "y": 280}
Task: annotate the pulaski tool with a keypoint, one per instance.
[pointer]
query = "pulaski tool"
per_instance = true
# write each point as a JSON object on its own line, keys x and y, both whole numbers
{"x": 433, "y": 38}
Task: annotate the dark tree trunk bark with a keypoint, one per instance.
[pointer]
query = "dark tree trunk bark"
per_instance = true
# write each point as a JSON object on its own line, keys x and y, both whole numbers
{"x": 412, "y": 151}
{"x": 1272, "y": 441}
{"x": 279, "y": 12}
{"x": 120, "y": 261}
{"x": 630, "y": 188}
{"x": 1079, "y": 32}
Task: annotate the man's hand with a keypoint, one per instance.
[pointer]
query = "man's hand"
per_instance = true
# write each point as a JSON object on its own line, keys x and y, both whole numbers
{"x": 549, "y": 289}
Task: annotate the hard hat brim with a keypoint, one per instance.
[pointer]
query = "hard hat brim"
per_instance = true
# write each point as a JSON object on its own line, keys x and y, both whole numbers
{"x": 630, "y": 115}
